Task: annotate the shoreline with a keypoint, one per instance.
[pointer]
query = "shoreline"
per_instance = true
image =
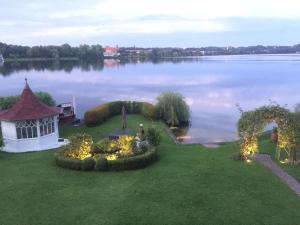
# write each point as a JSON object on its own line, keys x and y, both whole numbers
{"x": 40, "y": 59}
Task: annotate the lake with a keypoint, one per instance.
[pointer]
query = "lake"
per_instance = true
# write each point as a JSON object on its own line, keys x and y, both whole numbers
{"x": 212, "y": 85}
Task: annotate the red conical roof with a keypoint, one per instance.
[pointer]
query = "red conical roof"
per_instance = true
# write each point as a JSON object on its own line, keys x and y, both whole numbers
{"x": 28, "y": 107}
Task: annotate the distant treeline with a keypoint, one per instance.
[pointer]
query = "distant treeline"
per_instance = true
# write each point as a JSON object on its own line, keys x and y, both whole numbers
{"x": 157, "y": 53}
{"x": 86, "y": 52}
{"x": 95, "y": 52}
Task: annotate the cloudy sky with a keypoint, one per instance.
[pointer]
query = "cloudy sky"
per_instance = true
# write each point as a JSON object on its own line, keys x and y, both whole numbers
{"x": 154, "y": 23}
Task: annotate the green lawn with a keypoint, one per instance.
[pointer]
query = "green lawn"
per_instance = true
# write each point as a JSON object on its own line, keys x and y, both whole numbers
{"x": 265, "y": 146}
{"x": 188, "y": 185}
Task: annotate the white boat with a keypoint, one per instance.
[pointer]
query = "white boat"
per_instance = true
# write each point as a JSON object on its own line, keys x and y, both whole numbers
{"x": 67, "y": 112}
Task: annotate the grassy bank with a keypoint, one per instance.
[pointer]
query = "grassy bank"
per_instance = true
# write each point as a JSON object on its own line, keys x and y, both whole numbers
{"x": 188, "y": 185}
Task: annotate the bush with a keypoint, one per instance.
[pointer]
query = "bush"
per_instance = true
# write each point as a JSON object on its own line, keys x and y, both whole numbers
{"x": 66, "y": 162}
{"x": 153, "y": 136}
{"x": 104, "y": 146}
{"x": 80, "y": 146}
{"x": 99, "y": 114}
{"x": 134, "y": 162}
{"x": 101, "y": 164}
{"x": 115, "y": 108}
{"x": 144, "y": 146}
{"x": 173, "y": 109}
{"x": 149, "y": 111}
{"x": 88, "y": 164}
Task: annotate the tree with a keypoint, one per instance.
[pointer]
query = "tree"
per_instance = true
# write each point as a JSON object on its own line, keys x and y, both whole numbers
{"x": 173, "y": 109}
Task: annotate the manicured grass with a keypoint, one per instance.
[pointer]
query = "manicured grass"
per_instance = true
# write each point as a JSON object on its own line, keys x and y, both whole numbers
{"x": 265, "y": 146}
{"x": 188, "y": 185}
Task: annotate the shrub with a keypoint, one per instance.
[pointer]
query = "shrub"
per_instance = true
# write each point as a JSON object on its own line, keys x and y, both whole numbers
{"x": 104, "y": 146}
{"x": 153, "y": 136}
{"x": 101, "y": 164}
{"x": 149, "y": 111}
{"x": 80, "y": 146}
{"x": 66, "y": 162}
{"x": 143, "y": 146}
{"x": 88, "y": 164}
{"x": 173, "y": 109}
{"x": 126, "y": 145}
{"x": 134, "y": 162}
{"x": 115, "y": 108}
{"x": 99, "y": 114}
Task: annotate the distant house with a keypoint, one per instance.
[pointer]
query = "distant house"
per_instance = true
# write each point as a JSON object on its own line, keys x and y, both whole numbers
{"x": 1, "y": 58}
{"x": 111, "y": 52}
{"x": 30, "y": 125}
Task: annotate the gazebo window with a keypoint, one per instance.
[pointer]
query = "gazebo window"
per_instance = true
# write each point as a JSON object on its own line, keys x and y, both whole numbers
{"x": 26, "y": 129}
{"x": 47, "y": 126}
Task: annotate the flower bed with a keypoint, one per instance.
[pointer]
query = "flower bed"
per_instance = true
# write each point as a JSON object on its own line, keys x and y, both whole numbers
{"x": 125, "y": 153}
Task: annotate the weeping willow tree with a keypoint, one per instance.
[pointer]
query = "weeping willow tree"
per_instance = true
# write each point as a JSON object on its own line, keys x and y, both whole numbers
{"x": 252, "y": 123}
{"x": 173, "y": 108}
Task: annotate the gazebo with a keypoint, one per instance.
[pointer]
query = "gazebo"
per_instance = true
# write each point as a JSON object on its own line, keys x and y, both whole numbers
{"x": 30, "y": 125}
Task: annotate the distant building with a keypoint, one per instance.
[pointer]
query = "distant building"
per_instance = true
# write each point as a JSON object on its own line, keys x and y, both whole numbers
{"x": 1, "y": 58}
{"x": 30, "y": 125}
{"x": 111, "y": 52}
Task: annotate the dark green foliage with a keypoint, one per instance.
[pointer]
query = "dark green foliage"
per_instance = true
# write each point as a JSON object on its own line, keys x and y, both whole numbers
{"x": 153, "y": 136}
{"x": 85, "y": 52}
{"x": 173, "y": 109}
{"x": 66, "y": 162}
{"x": 99, "y": 114}
{"x": 115, "y": 108}
{"x": 149, "y": 111}
{"x": 135, "y": 162}
{"x": 101, "y": 164}
{"x": 143, "y": 146}
{"x": 88, "y": 164}
{"x": 252, "y": 123}
{"x": 46, "y": 98}
{"x": 8, "y": 102}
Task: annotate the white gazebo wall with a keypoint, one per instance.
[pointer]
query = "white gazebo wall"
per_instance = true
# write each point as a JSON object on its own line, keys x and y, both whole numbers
{"x": 12, "y": 144}
{"x": 8, "y": 130}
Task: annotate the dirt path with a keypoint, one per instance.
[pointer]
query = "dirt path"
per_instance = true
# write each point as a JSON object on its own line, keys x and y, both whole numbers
{"x": 284, "y": 176}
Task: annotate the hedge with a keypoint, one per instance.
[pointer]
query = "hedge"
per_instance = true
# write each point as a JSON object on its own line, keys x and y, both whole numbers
{"x": 101, "y": 164}
{"x": 99, "y": 114}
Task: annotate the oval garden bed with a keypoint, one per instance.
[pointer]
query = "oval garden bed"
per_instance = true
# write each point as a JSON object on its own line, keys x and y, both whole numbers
{"x": 125, "y": 153}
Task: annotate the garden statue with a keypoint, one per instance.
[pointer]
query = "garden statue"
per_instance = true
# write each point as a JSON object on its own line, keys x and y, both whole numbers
{"x": 117, "y": 133}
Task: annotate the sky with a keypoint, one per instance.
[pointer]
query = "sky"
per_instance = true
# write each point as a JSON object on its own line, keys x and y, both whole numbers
{"x": 154, "y": 23}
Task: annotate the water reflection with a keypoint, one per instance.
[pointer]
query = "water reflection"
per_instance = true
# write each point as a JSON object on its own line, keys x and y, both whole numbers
{"x": 67, "y": 66}
{"x": 212, "y": 86}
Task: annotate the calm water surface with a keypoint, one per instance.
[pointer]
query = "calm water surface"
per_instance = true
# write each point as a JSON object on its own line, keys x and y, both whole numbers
{"x": 212, "y": 86}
